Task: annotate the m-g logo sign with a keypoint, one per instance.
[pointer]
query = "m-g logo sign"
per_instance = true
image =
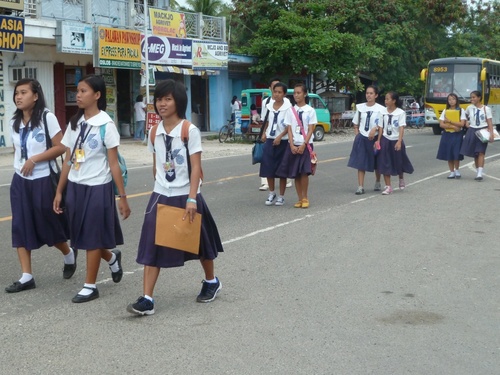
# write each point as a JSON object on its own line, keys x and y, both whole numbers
{"x": 167, "y": 51}
{"x": 156, "y": 47}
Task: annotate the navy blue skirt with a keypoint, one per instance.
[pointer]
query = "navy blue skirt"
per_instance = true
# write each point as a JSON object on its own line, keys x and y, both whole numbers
{"x": 362, "y": 155}
{"x": 93, "y": 218}
{"x": 153, "y": 255}
{"x": 272, "y": 157}
{"x": 471, "y": 145}
{"x": 449, "y": 146}
{"x": 295, "y": 165}
{"x": 34, "y": 222}
{"x": 392, "y": 162}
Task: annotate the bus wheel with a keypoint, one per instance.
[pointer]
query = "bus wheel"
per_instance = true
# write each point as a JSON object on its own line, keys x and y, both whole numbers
{"x": 319, "y": 133}
{"x": 436, "y": 129}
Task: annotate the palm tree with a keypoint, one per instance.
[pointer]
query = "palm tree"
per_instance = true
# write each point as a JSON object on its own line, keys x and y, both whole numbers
{"x": 207, "y": 7}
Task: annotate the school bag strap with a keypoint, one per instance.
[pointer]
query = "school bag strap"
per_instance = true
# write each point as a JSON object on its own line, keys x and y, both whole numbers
{"x": 185, "y": 140}
{"x": 121, "y": 161}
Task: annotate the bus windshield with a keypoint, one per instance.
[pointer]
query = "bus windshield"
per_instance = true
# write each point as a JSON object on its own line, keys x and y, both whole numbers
{"x": 459, "y": 79}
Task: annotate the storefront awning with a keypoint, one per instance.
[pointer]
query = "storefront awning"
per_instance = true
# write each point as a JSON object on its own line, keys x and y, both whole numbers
{"x": 184, "y": 71}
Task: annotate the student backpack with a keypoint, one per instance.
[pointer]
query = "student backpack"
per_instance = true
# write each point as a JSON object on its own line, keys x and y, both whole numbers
{"x": 121, "y": 161}
{"x": 185, "y": 139}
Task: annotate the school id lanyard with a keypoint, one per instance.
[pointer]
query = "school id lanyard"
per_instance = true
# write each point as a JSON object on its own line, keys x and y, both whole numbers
{"x": 82, "y": 139}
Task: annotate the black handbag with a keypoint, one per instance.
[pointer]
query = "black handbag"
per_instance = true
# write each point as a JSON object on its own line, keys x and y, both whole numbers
{"x": 54, "y": 168}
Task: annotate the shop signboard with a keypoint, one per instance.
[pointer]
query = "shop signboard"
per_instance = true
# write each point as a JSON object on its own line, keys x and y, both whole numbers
{"x": 209, "y": 55}
{"x": 117, "y": 48}
{"x": 12, "y": 4}
{"x": 73, "y": 37}
{"x": 152, "y": 118}
{"x": 167, "y": 51}
{"x": 165, "y": 23}
{"x": 11, "y": 34}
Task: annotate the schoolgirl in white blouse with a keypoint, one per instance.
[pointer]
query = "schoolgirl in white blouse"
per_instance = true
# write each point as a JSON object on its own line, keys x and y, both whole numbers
{"x": 479, "y": 117}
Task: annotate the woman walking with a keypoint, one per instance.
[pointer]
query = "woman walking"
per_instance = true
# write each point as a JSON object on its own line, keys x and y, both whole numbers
{"x": 479, "y": 117}
{"x": 392, "y": 157}
{"x": 34, "y": 223}
{"x": 177, "y": 174}
{"x": 91, "y": 166}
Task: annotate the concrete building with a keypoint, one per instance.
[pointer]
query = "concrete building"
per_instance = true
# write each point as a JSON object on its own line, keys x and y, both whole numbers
{"x": 63, "y": 40}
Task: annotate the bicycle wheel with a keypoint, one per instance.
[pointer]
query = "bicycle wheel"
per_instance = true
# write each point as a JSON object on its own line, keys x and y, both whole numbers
{"x": 223, "y": 134}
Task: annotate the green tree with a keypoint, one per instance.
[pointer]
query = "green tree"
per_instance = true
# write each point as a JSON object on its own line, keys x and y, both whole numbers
{"x": 389, "y": 40}
{"x": 477, "y": 34}
{"x": 207, "y": 7}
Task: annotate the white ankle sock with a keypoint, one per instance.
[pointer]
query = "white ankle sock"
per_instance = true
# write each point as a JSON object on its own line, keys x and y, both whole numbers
{"x": 114, "y": 267}
{"x": 25, "y": 278}
{"x": 70, "y": 257}
{"x": 85, "y": 291}
{"x": 213, "y": 281}
{"x": 479, "y": 171}
{"x": 148, "y": 297}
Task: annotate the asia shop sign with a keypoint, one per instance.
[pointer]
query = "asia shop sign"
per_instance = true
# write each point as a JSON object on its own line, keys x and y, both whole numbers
{"x": 12, "y": 4}
{"x": 117, "y": 48}
{"x": 165, "y": 23}
{"x": 210, "y": 55}
{"x": 167, "y": 51}
{"x": 11, "y": 34}
{"x": 74, "y": 38}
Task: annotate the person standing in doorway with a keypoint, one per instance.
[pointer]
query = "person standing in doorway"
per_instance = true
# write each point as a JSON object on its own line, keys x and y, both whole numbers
{"x": 140, "y": 110}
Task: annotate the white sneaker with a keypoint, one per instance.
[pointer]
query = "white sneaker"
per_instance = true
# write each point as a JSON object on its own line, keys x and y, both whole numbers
{"x": 387, "y": 190}
{"x": 264, "y": 187}
{"x": 288, "y": 182}
{"x": 270, "y": 199}
{"x": 280, "y": 201}
{"x": 377, "y": 187}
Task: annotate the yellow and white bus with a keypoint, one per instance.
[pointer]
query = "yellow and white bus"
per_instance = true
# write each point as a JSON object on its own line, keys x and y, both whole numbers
{"x": 461, "y": 76}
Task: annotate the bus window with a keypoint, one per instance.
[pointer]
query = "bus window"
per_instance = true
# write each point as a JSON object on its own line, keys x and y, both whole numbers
{"x": 466, "y": 80}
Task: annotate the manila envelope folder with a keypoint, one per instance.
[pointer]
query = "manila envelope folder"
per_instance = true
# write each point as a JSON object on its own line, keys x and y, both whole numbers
{"x": 175, "y": 233}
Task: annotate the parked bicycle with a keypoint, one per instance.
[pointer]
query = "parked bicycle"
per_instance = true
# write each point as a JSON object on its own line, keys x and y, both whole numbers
{"x": 228, "y": 132}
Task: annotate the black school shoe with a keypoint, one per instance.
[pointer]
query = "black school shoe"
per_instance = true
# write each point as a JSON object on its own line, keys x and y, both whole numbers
{"x": 117, "y": 276}
{"x": 81, "y": 298}
{"x": 69, "y": 269}
{"x": 19, "y": 287}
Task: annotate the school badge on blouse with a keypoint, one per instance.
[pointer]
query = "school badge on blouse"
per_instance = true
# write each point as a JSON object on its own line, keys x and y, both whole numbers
{"x": 169, "y": 168}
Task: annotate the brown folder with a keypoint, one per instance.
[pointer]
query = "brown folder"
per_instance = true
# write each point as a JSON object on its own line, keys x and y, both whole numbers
{"x": 175, "y": 233}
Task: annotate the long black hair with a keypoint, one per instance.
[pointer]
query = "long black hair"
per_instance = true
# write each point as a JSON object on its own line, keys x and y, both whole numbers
{"x": 395, "y": 96}
{"x": 97, "y": 84}
{"x": 36, "y": 115}
{"x": 457, "y": 105}
{"x": 178, "y": 92}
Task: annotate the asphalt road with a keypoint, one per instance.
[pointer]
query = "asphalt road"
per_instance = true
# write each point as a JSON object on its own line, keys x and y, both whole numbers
{"x": 400, "y": 284}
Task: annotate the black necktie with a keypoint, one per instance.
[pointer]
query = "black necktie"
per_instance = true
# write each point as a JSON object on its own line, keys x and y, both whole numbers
{"x": 389, "y": 125}
{"x": 477, "y": 117}
{"x": 300, "y": 117}
{"x": 272, "y": 133}
{"x": 367, "y": 122}
{"x": 83, "y": 127}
